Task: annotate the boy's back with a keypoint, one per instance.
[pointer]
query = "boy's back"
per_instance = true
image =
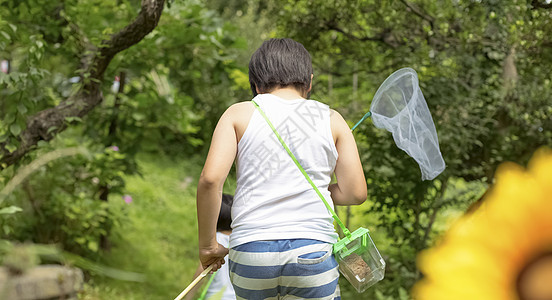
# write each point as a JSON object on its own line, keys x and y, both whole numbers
{"x": 281, "y": 245}
{"x": 273, "y": 200}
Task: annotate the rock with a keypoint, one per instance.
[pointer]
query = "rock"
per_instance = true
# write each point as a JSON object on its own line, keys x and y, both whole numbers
{"x": 41, "y": 282}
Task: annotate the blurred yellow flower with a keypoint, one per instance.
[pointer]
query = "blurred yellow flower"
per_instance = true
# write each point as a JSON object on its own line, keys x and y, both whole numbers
{"x": 503, "y": 251}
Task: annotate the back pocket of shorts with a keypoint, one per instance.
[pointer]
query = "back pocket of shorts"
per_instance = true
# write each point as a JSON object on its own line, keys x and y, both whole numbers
{"x": 313, "y": 257}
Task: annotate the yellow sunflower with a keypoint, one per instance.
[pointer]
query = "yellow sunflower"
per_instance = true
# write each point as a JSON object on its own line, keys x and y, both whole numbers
{"x": 503, "y": 251}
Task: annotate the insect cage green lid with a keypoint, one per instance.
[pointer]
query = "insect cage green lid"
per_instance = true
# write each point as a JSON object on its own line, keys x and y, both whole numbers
{"x": 359, "y": 260}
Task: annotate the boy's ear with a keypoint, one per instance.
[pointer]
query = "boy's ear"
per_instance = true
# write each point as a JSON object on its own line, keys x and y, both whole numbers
{"x": 310, "y": 85}
{"x": 257, "y": 89}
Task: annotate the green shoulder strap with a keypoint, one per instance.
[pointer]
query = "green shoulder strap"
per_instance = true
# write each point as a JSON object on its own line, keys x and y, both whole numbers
{"x": 206, "y": 288}
{"x": 328, "y": 206}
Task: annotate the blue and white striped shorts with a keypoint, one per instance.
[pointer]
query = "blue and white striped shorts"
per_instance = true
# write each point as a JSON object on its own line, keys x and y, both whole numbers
{"x": 284, "y": 269}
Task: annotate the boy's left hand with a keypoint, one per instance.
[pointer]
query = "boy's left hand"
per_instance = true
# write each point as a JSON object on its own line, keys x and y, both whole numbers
{"x": 213, "y": 256}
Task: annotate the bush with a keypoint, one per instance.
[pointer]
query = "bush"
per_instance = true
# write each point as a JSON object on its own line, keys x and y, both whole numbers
{"x": 62, "y": 203}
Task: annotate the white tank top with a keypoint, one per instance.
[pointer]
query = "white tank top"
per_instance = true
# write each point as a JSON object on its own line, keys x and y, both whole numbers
{"x": 273, "y": 200}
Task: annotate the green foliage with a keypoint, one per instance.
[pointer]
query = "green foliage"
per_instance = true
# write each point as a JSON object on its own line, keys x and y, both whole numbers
{"x": 159, "y": 239}
{"x": 9, "y": 210}
{"x": 460, "y": 53}
{"x": 159, "y": 105}
{"x": 19, "y": 259}
{"x": 481, "y": 67}
{"x": 15, "y": 87}
{"x": 60, "y": 203}
{"x": 174, "y": 80}
{"x": 178, "y": 82}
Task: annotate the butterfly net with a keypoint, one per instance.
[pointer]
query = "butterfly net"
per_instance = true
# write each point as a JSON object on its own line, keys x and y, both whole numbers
{"x": 400, "y": 108}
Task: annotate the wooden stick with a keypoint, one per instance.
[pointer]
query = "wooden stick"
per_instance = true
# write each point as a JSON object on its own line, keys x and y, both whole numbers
{"x": 191, "y": 286}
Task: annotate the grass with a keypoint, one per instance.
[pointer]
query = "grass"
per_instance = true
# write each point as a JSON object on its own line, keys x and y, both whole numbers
{"x": 159, "y": 236}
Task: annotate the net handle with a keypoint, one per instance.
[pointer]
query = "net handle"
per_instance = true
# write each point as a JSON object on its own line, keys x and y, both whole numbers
{"x": 328, "y": 206}
{"x": 368, "y": 114}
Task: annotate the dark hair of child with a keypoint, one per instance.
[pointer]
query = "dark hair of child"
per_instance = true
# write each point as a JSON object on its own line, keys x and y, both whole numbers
{"x": 225, "y": 217}
{"x": 280, "y": 63}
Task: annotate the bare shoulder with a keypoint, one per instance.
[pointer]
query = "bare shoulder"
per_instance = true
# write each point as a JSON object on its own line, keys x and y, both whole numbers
{"x": 238, "y": 111}
{"x": 337, "y": 121}
{"x": 338, "y": 125}
{"x": 239, "y": 115}
{"x": 335, "y": 114}
{"x": 242, "y": 105}
{"x": 240, "y": 108}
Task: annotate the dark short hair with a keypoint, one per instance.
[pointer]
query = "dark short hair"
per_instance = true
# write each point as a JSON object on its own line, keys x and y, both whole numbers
{"x": 280, "y": 63}
{"x": 225, "y": 214}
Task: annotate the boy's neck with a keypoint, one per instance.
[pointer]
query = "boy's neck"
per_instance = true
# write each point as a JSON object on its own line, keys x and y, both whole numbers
{"x": 287, "y": 93}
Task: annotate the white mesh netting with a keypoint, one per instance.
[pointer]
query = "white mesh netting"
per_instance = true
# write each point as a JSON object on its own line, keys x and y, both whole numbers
{"x": 400, "y": 108}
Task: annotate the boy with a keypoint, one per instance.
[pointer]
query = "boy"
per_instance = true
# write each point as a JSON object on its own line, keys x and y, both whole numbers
{"x": 282, "y": 234}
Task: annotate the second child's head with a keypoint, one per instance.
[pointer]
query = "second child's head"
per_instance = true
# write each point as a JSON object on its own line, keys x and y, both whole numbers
{"x": 225, "y": 215}
{"x": 280, "y": 63}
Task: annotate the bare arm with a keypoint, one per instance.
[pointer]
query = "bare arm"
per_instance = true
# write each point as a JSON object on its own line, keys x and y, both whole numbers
{"x": 350, "y": 188}
{"x": 222, "y": 153}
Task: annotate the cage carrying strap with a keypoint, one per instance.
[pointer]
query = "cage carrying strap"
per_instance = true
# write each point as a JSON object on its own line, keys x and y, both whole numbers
{"x": 328, "y": 206}
{"x": 206, "y": 288}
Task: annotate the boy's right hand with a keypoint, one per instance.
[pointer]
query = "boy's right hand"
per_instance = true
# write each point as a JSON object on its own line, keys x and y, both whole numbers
{"x": 212, "y": 256}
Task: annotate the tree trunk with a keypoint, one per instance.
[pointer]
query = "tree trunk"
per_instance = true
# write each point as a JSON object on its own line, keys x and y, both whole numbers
{"x": 45, "y": 124}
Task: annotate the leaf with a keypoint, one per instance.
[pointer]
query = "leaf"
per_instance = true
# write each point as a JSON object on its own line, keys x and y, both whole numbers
{"x": 10, "y": 210}
{"x": 138, "y": 116}
{"x": 15, "y": 129}
{"x": 9, "y": 118}
{"x": 51, "y": 129}
{"x": 6, "y": 228}
{"x": 73, "y": 119}
{"x": 92, "y": 245}
{"x": 7, "y": 36}
{"x": 3, "y": 77}
{"x": 379, "y": 295}
{"x": 22, "y": 108}
{"x": 403, "y": 294}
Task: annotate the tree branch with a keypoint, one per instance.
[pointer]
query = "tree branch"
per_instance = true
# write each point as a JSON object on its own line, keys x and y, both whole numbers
{"x": 419, "y": 12}
{"x": 385, "y": 37}
{"x": 328, "y": 69}
{"x": 46, "y": 123}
